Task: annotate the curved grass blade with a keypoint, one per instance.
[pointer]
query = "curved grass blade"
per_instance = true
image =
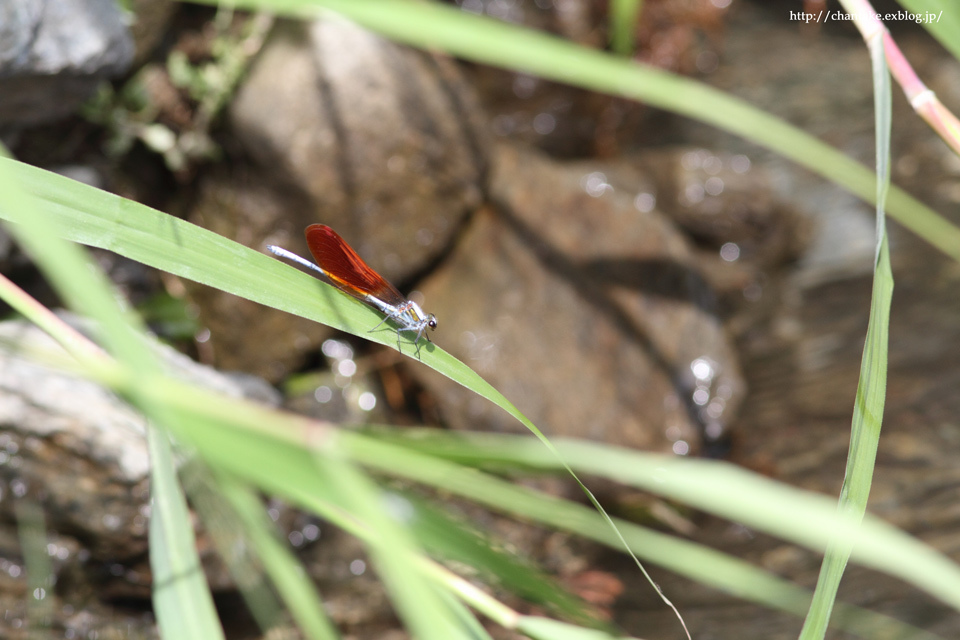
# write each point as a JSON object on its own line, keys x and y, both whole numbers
{"x": 723, "y": 489}
{"x": 91, "y": 216}
{"x": 872, "y": 386}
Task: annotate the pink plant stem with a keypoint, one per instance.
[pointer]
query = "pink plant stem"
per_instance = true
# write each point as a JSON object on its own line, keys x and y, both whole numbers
{"x": 921, "y": 98}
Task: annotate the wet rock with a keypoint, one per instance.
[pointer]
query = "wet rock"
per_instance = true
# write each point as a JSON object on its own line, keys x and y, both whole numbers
{"x": 238, "y": 205}
{"x": 80, "y": 614}
{"x": 569, "y": 122}
{"x": 384, "y": 141}
{"x": 802, "y": 367}
{"x": 53, "y": 55}
{"x": 719, "y": 199}
{"x": 149, "y": 26}
{"x": 588, "y": 313}
{"x": 379, "y": 141}
{"x": 77, "y": 452}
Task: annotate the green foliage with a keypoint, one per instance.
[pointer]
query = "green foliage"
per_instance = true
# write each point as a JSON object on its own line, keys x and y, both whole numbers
{"x": 328, "y": 472}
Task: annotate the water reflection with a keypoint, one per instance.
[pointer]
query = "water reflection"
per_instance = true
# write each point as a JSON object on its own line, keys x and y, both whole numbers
{"x": 358, "y": 567}
{"x": 367, "y": 401}
{"x": 730, "y": 252}
{"x": 645, "y": 202}
{"x": 711, "y": 400}
{"x": 544, "y": 123}
{"x": 595, "y": 184}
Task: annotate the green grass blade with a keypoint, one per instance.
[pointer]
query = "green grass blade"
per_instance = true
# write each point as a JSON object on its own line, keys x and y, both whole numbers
{"x": 455, "y": 540}
{"x": 945, "y": 26}
{"x": 805, "y": 518}
{"x": 178, "y": 577}
{"x": 623, "y": 25}
{"x": 872, "y": 386}
{"x": 436, "y": 26}
{"x": 287, "y": 574}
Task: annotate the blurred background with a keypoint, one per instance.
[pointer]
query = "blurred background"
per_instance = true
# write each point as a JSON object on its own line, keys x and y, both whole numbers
{"x": 621, "y": 273}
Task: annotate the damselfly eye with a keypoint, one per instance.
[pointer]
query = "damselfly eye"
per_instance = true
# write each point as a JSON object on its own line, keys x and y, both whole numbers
{"x": 432, "y": 321}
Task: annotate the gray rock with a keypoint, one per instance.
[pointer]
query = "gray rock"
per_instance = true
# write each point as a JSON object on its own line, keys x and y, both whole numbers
{"x": 385, "y": 143}
{"x": 589, "y": 314}
{"x": 53, "y": 55}
{"x": 77, "y": 449}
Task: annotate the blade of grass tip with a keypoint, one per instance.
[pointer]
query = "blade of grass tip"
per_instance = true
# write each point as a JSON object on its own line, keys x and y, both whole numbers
{"x": 182, "y": 600}
{"x": 871, "y": 389}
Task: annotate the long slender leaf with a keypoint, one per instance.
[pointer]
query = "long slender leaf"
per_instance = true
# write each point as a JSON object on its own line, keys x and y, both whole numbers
{"x": 872, "y": 386}
{"x": 720, "y": 488}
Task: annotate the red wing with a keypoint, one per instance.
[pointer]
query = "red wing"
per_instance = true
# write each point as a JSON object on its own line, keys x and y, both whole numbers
{"x": 345, "y": 268}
